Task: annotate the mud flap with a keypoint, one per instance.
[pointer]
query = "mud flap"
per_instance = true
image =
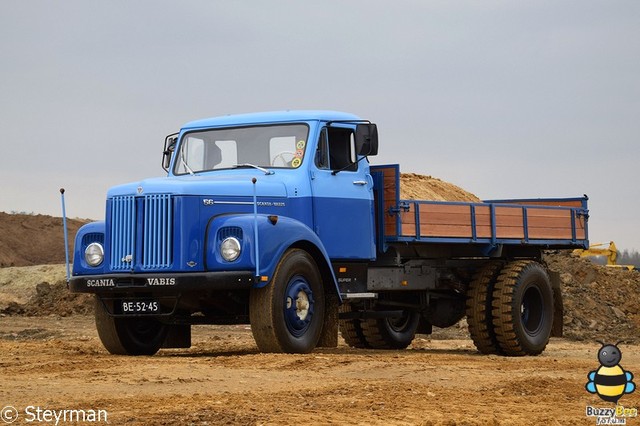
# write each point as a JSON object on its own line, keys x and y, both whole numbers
{"x": 178, "y": 336}
{"x": 329, "y": 334}
{"x": 558, "y": 307}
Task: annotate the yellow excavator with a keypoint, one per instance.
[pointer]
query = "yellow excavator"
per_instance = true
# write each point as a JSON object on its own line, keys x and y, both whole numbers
{"x": 610, "y": 253}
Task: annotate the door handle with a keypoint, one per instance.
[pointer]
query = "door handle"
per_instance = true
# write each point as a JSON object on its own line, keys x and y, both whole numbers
{"x": 359, "y": 182}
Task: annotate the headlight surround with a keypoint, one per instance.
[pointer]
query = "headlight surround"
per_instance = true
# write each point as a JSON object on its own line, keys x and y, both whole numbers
{"x": 230, "y": 249}
{"x": 94, "y": 254}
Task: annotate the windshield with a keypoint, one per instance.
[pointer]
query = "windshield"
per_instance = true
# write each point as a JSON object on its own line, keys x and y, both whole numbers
{"x": 281, "y": 146}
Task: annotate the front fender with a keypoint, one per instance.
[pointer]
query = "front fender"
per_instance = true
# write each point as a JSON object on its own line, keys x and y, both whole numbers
{"x": 275, "y": 236}
{"x": 90, "y": 233}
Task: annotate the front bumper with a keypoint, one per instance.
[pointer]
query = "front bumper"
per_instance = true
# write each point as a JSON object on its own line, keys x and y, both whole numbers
{"x": 166, "y": 283}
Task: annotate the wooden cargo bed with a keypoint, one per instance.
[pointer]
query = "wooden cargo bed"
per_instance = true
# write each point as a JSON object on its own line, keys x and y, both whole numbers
{"x": 542, "y": 222}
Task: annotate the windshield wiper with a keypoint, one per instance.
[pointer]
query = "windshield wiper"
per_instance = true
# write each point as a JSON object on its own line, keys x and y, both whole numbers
{"x": 186, "y": 166}
{"x": 262, "y": 169}
{"x": 183, "y": 161}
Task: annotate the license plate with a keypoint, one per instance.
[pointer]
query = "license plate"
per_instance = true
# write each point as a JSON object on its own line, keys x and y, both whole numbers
{"x": 140, "y": 307}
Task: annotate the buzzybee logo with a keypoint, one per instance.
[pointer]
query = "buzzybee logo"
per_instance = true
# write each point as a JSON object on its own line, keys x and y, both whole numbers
{"x": 610, "y": 382}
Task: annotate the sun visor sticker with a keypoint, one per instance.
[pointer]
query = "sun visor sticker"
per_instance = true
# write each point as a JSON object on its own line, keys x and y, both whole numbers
{"x": 295, "y": 163}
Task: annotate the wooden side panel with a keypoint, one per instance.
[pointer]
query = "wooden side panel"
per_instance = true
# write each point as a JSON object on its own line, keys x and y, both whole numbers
{"x": 509, "y": 222}
{"x": 514, "y": 220}
{"x": 549, "y": 224}
{"x": 390, "y": 195}
{"x": 445, "y": 220}
{"x": 438, "y": 220}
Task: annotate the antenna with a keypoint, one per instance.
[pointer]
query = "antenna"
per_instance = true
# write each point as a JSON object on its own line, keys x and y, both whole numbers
{"x": 255, "y": 227}
{"x": 66, "y": 234}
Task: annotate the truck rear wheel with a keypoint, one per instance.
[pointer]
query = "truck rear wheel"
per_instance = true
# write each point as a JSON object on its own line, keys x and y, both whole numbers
{"x": 391, "y": 333}
{"x": 128, "y": 336}
{"x": 288, "y": 314}
{"x": 523, "y": 308}
{"x": 351, "y": 329}
{"x": 479, "y": 307}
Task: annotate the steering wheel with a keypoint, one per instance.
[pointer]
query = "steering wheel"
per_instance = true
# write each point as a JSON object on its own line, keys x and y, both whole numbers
{"x": 280, "y": 155}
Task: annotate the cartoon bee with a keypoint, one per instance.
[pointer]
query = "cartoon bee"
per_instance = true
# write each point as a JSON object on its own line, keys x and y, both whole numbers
{"x": 610, "y": 381}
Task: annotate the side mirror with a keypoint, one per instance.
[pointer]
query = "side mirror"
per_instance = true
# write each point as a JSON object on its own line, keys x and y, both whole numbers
{"x": 169, "y": 146}
{"x": 367, "y": 139}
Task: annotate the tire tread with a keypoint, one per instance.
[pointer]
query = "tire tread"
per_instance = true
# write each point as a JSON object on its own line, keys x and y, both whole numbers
{"x": 479, "y": 308}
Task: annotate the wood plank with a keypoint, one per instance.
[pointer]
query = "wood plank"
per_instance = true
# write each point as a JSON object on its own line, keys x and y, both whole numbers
{"x": 550, "y": 233}
{"x": 408, "y": 230}
{"x": 532, "y": 212}
{"x": 445, "y": 230}
{"x": 509, "y": 232}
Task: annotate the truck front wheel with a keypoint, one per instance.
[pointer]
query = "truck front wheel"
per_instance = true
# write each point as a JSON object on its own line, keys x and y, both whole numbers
{"x": 128, "y": 336}
{"x": 523, "y": 308}
{"x": 287, "y": 315}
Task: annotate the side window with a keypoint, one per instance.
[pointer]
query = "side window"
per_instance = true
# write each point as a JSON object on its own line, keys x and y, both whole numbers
{"x": 322, "y": 153}
{"x": 341, "y": 144}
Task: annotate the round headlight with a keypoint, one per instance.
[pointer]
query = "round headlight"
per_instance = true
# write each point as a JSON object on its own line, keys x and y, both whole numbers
{"x": 230, "y": 249}
{"x": 93, "y": 254}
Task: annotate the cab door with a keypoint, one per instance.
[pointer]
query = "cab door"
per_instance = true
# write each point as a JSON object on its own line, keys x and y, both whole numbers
{"x": 342, "y": 190}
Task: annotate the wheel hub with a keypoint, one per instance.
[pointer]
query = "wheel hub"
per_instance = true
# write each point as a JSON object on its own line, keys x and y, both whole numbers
{"x": 298, "y": 306}
{"x": 531, "y": 310}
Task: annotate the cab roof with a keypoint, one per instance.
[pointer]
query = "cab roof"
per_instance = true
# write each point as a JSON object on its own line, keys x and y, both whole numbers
{"x": 271, "y": 117}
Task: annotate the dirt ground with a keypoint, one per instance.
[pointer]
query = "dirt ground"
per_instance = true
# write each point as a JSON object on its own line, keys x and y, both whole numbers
{"x": 58, "y": 363}
{"x": 51, "y": 357}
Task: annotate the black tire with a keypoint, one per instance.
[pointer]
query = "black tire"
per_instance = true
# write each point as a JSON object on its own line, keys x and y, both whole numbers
{"x": 523, "y": 308}
{"x": 391, "y": 333}
{"x": 479, "y": 307}
{"x": 351, "y": 329}
{"x": 128, "y": 336}
{"x": 287, "y": 315}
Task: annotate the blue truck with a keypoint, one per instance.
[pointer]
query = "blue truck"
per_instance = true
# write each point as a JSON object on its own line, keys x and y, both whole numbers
{"x": 278, "y": 220}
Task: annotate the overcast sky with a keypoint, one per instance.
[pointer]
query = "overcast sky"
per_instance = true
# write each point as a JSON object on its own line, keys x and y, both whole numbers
{"x": 507, "y": 99}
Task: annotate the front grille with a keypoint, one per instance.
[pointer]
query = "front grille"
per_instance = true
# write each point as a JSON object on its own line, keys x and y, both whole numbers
{"x": 123, "y": 224}
{"x": 146, "y": 223}
{"x": 158, "y": 232}
{"x": 92, "y": 237}
{"x": 229, "y": 231}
